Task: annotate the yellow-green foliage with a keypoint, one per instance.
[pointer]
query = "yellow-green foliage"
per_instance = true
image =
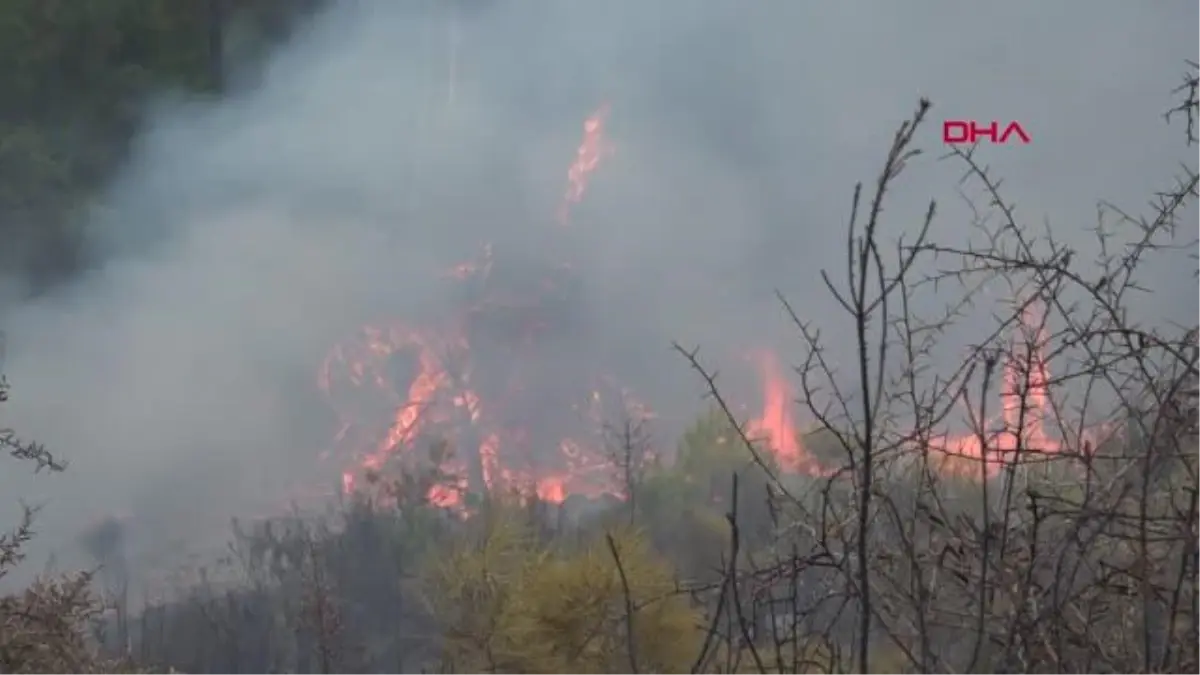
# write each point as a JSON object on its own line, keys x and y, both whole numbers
{"x": 508, "y": 604}
{"x": 711, "y": 449}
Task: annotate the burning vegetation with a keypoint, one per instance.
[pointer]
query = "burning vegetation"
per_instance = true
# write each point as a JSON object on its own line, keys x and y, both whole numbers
{"x": 472, "y": 383}
{"x": 470, "y": 387}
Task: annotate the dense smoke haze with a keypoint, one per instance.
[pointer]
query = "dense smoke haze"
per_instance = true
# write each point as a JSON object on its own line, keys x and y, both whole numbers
{"x": 389, "y": 141}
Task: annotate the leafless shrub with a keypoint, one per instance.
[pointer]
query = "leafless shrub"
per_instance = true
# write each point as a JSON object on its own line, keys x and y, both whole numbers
{"x": 43, "y": 627}
{"x": 1062, "y": 537}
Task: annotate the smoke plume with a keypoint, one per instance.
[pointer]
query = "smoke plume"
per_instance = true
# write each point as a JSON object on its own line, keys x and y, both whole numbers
{"x": 389, "y": 141}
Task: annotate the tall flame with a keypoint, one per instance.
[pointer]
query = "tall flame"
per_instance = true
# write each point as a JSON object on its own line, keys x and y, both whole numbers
{"x": 1024, "y": 405}
{"x": 775, "y": 425}
{"x": 1021, "y": 424}
{"x": 592, "y": 149}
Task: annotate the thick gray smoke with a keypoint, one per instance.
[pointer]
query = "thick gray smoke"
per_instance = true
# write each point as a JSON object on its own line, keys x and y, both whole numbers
{"x": 385, "y": 143}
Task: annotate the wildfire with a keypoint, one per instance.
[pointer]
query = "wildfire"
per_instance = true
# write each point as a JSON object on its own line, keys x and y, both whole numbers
{"x": 435, "y": 404}
{"x": 396, "y": 387}
{"x": 439, "y": 399}
{"x": 358, "y": 376}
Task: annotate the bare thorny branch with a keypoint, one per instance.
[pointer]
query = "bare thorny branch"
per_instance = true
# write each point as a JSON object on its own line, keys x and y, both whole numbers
{"x": 1187, "y": 107}
{"x": 1071, "y": 546}
{"x": 42, "y": 628}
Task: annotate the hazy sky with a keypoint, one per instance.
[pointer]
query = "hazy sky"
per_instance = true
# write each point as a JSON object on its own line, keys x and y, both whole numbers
{"x": 244, "y": 237}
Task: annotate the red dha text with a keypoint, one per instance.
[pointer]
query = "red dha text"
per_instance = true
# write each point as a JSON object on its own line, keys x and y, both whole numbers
{"x": 970, "y": 131}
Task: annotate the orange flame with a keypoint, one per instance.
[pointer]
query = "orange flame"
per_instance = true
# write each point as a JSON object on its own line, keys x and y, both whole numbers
{"x": 581, "y": 469}
{"x": 1025, "y": 405}
{"x": 431, "y": 398}
{"x": 1025, "y": 397}
{"x": 591, "y": 150}
{"x": 1021, "y": 429}
{"x": 776, "y": 425}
